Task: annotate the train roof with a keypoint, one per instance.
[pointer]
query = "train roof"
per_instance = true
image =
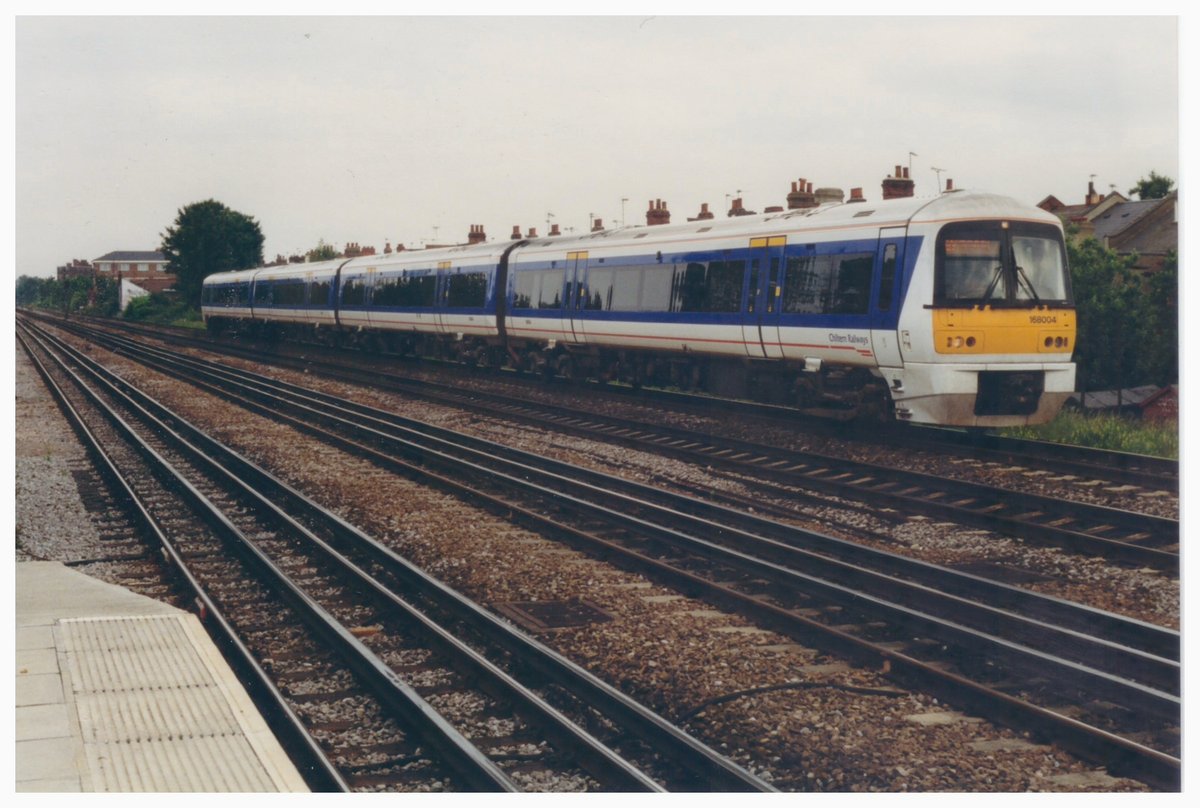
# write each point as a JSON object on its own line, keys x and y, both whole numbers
{"x": 832, "y": 217}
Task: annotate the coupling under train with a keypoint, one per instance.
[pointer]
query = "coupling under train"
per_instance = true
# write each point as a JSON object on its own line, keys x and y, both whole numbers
{"x": 952, "y": 310}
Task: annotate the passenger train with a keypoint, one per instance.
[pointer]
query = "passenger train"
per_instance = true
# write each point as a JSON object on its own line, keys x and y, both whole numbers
{"x": 952, "y": 310}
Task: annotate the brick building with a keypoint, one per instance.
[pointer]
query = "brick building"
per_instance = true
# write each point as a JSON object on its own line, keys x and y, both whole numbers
{"x": 146, "y": 268}
{"x": 76, "y": 269}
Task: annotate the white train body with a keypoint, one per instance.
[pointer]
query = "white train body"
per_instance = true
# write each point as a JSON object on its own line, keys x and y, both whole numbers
{"x": 952, "y": 310}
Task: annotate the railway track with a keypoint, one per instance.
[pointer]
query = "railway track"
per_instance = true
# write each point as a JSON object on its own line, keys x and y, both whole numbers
{"x": 379, "y": 652}
{"x": 1122, "y": 536}
{"x": 1117, "y": 468}
{"x": 1102, "y": 685}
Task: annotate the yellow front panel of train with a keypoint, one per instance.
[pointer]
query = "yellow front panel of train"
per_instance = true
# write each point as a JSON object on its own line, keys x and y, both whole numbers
{"x": 1003, "y": 331}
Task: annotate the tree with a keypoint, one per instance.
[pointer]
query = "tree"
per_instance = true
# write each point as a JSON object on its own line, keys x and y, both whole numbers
{"x": 1156, "y": 187}
{"x": 1128, "y": 324}
{"x": 322, "y": 252}
{"x": 208, "y": 237}
{"x": 1158, "y": 361}
{"x": 1107, "y": 300}
{"x": 29, "y": 290}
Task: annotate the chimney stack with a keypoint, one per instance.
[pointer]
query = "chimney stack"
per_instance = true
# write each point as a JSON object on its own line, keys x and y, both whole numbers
{"x": 898, "y": 185}
{"x": 597, "y": 225}
{"x": 801, "y": 195}
{"x": 532, "y": 233}
{"x": 949, "y": 185}
{"x": 736, "y": 209}
{"x": 658, "y": 213}
{"x": 476, "y": 236}
{"x": 704, "y": 215}
{"x": 856, "y": 195}
{"x": 1093, "y": 198}
{"x": 554, "y": 230}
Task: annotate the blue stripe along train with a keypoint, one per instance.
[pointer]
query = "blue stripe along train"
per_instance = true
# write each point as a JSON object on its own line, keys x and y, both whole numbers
{"x": 952, "y": 310}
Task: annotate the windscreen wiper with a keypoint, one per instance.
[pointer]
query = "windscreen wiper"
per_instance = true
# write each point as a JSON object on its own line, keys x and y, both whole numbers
{"x": 992, "y": 286}
{"x": 1028, "y": 283}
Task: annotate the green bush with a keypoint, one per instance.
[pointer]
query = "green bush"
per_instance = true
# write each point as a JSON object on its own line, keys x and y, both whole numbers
{"x": 162, "y": 309}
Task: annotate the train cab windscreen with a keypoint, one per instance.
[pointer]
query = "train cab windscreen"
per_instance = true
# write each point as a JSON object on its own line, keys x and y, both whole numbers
{"x": 1015, "y": 264}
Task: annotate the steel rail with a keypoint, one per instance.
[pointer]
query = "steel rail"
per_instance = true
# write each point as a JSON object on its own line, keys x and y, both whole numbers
{"x": 716, "y": 770}
{"x": 1114, "y": 632}
{"x": 476, "y": 769}
{"x": 1029, "y": 517}
{"x": 1148, "y": 471}
{"x": 1083, "y": 735}
{"x": 314, "y": 765}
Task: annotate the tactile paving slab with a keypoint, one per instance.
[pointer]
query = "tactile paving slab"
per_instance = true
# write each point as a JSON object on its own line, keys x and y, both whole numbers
{"x": 153, "y": 713}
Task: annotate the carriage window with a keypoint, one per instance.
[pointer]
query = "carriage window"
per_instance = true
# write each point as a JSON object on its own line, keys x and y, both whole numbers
{"x": 412, "y": 291}
{"x": 626, "y": 285}
{"x": 887, "y": 277}
{"x": 468, "y": 290}
{"x": 712, "y": 287}
{"x": 262, "y": 293}
{"x": 599, "y": 289}
{"x": 538, "y": 289}
{"x": 289, "y": 293}
{"x": 806, "y": 283}
{"x": 829, "y": 284}
{"x": 318, "y": 293}
{"x": 851, "y": 291}
{"x": 656, "y": 288}
{"x": 354, "y": 291}
{"x": 550, "y": 290}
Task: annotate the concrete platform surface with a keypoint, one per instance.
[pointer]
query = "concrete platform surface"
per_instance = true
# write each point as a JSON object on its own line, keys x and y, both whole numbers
{"x": 116, "y": 692}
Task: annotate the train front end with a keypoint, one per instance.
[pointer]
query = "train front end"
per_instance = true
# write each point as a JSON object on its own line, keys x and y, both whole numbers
{"x": 988, "y": 328}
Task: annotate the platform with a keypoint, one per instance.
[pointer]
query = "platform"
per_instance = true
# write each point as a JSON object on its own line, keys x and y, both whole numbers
{"x": 116, "y": 692}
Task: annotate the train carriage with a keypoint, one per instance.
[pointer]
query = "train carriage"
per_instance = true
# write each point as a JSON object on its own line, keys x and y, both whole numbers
{"x": 952, "y": 310}
{"x": 228, "y": 297}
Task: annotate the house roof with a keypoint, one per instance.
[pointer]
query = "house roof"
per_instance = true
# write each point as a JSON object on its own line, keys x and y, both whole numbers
{"x": 1121, "y": 216}
{"x": 132, "y": 255}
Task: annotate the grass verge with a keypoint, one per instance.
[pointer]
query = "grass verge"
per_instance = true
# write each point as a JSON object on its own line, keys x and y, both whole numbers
{"x": 1103, "y": 431}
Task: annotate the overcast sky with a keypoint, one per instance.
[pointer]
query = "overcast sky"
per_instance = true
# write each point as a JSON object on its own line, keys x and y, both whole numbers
{"x": 408, "y": 129}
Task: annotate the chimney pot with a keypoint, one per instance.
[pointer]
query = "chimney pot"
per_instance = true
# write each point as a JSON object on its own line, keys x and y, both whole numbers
{"x": 532, "y": 233}
{"x": 657, "y": 213}
{"x": 898, "y": 185}
{"x": 516, "y": 234}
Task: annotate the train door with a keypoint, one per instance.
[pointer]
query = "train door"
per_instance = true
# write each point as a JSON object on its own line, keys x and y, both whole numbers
{"x": 308, "y": 302}
{"x": 574, "y": 295}
{"x": 761, "y": 302}
{"x": 442, "y": 323}
{"x": 885, "y": 304}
